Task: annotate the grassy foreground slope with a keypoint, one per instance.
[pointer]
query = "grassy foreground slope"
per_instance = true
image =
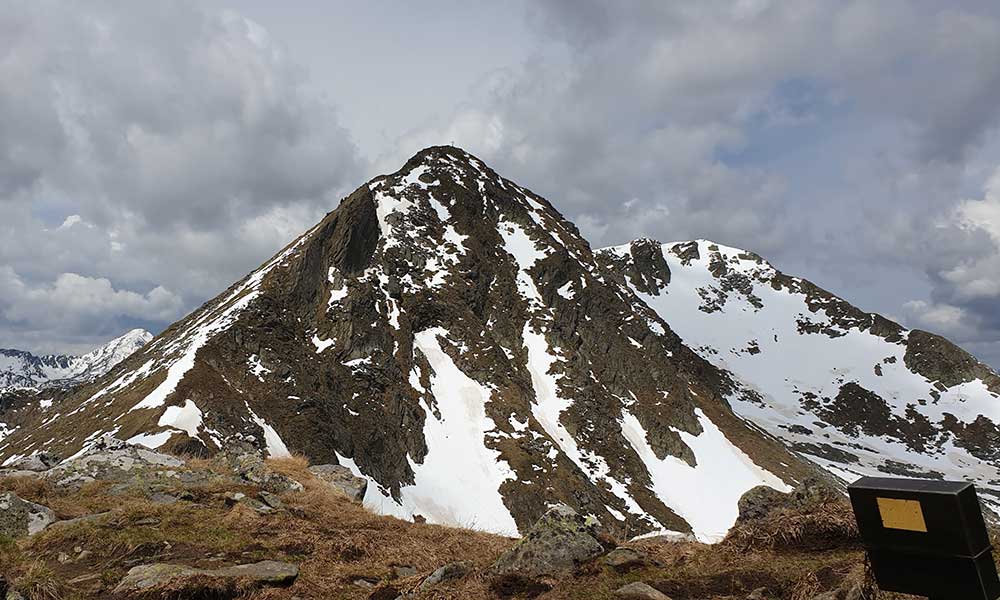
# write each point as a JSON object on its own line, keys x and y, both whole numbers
{"x": 344, "y": 551}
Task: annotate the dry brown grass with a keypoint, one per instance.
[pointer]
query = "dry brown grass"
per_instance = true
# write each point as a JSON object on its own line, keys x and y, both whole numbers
{"x": 336, "y": 542}
{"x": 36, "y": 581}
{"x": 826, "y": 526}
{"x": 295, "y": 466}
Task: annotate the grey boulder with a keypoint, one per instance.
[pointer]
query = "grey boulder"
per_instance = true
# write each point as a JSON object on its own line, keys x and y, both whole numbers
{"x": 449, "y": 571}
{"x": 41, "y": 461}
{"x": 341, "y": 479}
{"x": 556, "y": 544}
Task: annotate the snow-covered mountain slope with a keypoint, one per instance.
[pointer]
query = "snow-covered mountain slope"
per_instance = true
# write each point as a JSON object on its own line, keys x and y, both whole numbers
{"x": 20, "y": 370}
{"x": 449, "y": 335}
{"x": 851, "y": 391}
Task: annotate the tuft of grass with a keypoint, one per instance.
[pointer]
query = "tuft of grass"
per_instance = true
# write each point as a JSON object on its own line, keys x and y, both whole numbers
{"x": 295, "y": 466}
{"x": 38, "y": 582}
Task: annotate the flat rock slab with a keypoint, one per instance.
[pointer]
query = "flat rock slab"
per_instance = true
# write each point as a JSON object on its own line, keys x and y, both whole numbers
{"x": 449, "y": 571}
{"x": 341, "y": 479}
{"x": 20, "y": 518}
{"x": 268, "y": 572}
{"x": 556, "y": 544}
{"x": 639, "y": 591}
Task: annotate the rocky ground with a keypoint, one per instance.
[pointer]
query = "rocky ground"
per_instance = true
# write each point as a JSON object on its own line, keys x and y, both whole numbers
{"x": 124, "y": 522}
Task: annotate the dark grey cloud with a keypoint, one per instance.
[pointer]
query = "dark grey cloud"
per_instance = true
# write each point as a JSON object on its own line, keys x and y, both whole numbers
{"x": 150, "y": 153}
{"x": 836, "y": 138}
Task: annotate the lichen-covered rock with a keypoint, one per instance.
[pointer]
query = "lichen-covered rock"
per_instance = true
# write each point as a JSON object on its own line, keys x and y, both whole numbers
{"x": 20, "y": 518}
{"x": 758, "y": 502}
{"x": 341, "y": 479}
{"x": 557, "y": 543}
{"x": 18, "y": 473}
{"x": 111, "y": 459}
{"x": 268, "y": 572}
{"x": 639, "y": 591}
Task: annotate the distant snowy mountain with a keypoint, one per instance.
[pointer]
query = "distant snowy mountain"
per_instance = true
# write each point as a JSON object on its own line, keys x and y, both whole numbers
{"x": 849, "y": 390}
{"x": 23, "y": 370}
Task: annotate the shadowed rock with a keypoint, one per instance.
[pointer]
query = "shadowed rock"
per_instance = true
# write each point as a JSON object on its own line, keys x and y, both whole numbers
{"x": 341, "y": 479}
{"x": 449, "y": 571}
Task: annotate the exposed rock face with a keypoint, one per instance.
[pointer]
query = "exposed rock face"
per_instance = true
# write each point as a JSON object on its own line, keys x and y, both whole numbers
{"x": 110, "y": 459}
{"x": 341, "y": 479}
{"x": 559, "y": 542}
{"x": 20, "y": 518}
{"x": 450, "y": 336}
{"x": 266, "y": 573}
{"x": 762, "y": 500}
{"x": 850, "y": 390}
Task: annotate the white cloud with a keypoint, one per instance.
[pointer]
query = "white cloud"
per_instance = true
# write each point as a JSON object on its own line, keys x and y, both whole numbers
{"x": 74, "y": 305}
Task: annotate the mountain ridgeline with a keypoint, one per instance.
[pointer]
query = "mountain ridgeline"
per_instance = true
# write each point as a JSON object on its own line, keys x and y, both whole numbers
{"x": 23, "y": 370}
{"x": 447, "y": 334}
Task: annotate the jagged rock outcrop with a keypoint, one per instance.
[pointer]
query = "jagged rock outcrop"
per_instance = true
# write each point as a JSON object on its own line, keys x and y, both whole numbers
{"x": 42, "y": 461}
{"x": 111, "y": 459}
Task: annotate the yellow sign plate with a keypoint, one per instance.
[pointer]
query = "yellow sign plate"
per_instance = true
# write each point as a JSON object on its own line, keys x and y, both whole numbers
{"x": 901, "y": 514}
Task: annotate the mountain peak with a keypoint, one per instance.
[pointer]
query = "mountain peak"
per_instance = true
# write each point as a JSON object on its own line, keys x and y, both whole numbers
{"x": 447, "y": 334}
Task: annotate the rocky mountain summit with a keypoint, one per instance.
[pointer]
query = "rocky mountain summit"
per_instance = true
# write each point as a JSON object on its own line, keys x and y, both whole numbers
{"x": 24, "y": 370}
{"x": 448, "y": 336}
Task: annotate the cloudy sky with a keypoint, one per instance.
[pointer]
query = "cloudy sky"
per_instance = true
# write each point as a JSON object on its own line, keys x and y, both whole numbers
{"x": 152, "y": 153}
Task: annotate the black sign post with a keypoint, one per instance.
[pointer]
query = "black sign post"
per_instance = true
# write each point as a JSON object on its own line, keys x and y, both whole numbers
{"x": 926, "y": 537}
